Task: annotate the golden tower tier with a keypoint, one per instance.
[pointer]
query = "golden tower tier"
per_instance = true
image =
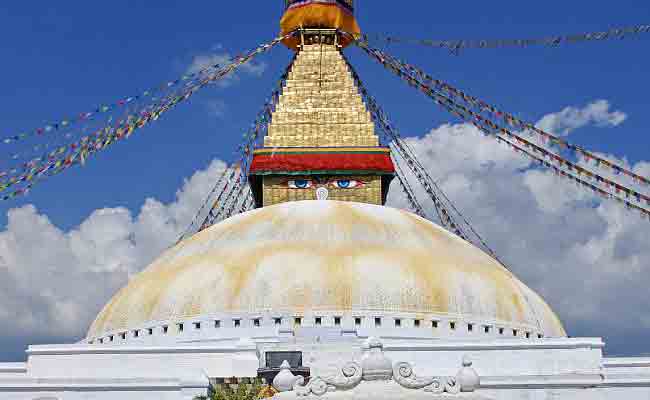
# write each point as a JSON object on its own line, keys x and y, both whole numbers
{"x": 321, "y": 142}
{"x": 319, "y": 14}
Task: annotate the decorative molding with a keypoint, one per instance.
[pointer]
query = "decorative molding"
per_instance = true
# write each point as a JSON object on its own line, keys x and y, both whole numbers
{"x": 375, "y": 367}
{"x": 134, "y": 349}
{"x": 19, "y": 368}
{"x": 285, "y": 380}
{"x": 504, "y": 344}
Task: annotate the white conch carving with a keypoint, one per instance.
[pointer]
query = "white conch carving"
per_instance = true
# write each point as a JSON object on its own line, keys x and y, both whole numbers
{"x": 451, "y": 385}
{"x": 285, "y": 381}
{"x": 436, "y": 387}
{"x": 316, "y": 386}
{"x": 404, "y": 375}
{"x": 349, "y": 377}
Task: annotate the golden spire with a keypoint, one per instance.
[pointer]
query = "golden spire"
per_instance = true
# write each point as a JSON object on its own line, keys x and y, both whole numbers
{"x": 321, "y": 142}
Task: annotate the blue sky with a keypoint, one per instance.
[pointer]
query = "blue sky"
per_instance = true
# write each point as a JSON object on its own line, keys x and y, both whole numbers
{"x": 62, "y": 58}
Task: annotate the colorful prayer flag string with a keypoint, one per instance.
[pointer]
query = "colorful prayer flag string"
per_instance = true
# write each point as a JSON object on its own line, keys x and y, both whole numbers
{"x": 111, "y": 135}
{"x": 515, "y": 122}
{"x": 552, "y": 41}
{"x": 105, "y": 108}
{"x": 258, "y": 128}
{"x": 404, "y": 71}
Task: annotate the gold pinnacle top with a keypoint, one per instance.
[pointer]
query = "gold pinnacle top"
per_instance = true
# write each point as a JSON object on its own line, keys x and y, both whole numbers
{"x": 320, "y": 105}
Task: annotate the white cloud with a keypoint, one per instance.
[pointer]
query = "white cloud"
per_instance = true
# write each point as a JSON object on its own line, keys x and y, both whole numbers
{"x": 588, "y": 259}
{"x": 52, "y": 282}
{"x": 571, "y": 118}
{"x": 217, "y": 56}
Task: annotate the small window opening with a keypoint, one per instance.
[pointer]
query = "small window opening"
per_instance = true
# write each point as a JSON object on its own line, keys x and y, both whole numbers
{"x": 181, "y": 327}
{"x": 470, "y": 327}
{"x": 417, "y": 323}
{"x": 165, "y": 329}
{"x": 514, "y": 332}
{"x": 527, "y": 335}
{"x": 452, "y": 325}
{"x": 197, "y": 325}
{"x": 377, "y": 321}
{"x": 319, "y": 321}
{"x": 278, "y": 321}
{"x": 237, "y": 323}
{"x": 501, "y": 331}
{"x": 540, "y": 336}
{"x": 357, "y": 321}
{"x": 434, "y": 324}
{"x": 297, "y": 321}
{"x": 217, "y": 323}
{"x": 136, "y": 333}
{"x": 123, "y": 336}
{"x": 337, "y": 321}
{"x": 150, "y": 331}
{"x": 111, "y": 338}
{"x": 398, "y": 322}
{"x": 256, "y": 322}
{"x": 101, "y": 341}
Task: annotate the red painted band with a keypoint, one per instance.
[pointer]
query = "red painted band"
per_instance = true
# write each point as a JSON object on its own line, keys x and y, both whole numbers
{"x": 265, "y": 163}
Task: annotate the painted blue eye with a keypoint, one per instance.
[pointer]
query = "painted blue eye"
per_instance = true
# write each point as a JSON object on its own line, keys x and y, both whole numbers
{"x": 300, "y": 184}
{"x": 343, "y": 184}
{"x": 347, "y": 183}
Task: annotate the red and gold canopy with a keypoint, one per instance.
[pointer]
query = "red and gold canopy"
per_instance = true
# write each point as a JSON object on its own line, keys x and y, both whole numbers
{"x": 326, "y": 14}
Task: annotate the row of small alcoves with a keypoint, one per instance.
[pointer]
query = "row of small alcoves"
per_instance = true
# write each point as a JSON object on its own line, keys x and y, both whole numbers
{"x": 378, "y": 322}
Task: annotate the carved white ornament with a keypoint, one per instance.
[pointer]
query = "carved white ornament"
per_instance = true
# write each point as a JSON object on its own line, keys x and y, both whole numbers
{"x": 468, "y": 377}
{"x": 285, "y": 381}
{"x": 322, "y": 193}
{"x": 348, "y": 378}
{"x": 375, "y": 366}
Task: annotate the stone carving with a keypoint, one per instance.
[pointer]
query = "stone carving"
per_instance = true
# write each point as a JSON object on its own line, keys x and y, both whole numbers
{"x": 285, "y": 381}
{"x": 403, "y": 374}
{"x": 348, "y": 377}
{"x": 376, "y": 367}
{"x": 467, "y": 376}
{"x": 316, "y": 386}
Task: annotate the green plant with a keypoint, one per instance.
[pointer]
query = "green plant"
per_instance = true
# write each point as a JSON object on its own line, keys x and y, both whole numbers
{"x": 239, "y": 392}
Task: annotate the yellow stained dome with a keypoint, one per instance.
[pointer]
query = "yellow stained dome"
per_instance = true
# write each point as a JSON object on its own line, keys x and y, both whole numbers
{"x": 312, "y": 256}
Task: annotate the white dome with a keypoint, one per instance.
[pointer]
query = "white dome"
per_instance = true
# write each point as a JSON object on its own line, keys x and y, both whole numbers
{"x": 308, "y": 257}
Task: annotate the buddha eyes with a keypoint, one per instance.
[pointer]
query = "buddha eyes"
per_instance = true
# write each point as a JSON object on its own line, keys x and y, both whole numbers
{"x": 300, "y": 184}
{"x": 346, "y": 183}
{"x": 335, "y": 183}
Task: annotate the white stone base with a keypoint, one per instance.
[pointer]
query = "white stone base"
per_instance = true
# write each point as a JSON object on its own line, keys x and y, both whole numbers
{"x": 548, "y": 369}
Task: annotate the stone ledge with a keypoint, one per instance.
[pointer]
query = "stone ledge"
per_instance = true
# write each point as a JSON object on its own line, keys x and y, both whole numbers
{"x": 6, "y": 368}
{"x": 95, "y": 349}
{"x": 509, "y": 344}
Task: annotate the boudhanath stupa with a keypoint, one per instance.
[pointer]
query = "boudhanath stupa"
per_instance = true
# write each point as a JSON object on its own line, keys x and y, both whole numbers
{"x": 322, "y": 291}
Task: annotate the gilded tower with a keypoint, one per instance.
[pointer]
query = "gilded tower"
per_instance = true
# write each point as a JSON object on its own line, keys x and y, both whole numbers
{"x": 321, "y": 142}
